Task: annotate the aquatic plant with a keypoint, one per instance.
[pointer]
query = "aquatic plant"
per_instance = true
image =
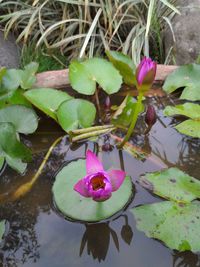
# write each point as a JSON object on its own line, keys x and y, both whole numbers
{"x": 98, "y": 183}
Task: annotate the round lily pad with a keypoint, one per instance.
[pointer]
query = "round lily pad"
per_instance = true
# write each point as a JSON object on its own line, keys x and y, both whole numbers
{"x": 72, "y": 205}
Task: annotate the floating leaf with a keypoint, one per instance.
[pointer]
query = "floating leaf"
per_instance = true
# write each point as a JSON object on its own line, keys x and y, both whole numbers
{"x": 28, "y": 77}
{"x": 1, "y": 162}
{"x": 125, "y": 66}
{"x": 189, "y": 127}
{"x": 185, "y": 76}
{"x": 24, "y": 119}
{"x": 84, "y": 76}
{"x": 76, "y": 113}
{"x": 18, "y": 98}
{"x": 190, "y": 110}
{"x": 3, "y": 71}
{"x": 10, "y": 145}
{"x": 2, "y": 229}
{"x": 172, "y": 184}
{"x": 47, "y": 99}
{"x": 123, "y": 115}
{"x": 176, "y": 225}
{"x": 12, "y": 79}
{"x": 16, "y": 164}
{"x": 74, "y": 206}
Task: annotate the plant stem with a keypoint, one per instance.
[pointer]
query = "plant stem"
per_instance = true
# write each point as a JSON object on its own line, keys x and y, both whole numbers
{"x": 91, "y": 134}
{"x": 135, "y": 114}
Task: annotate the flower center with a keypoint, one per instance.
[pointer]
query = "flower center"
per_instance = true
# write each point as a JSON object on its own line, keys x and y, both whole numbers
{"x": 97, "y": 182}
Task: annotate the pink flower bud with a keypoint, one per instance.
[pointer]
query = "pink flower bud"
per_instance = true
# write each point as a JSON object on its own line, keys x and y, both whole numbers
{"x": 150, "y": 117}
{"x": 145, "y": 74}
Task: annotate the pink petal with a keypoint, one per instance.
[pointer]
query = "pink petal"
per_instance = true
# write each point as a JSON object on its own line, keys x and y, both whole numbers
{"x": 116, "y": 178}
{"x": 92, "y": 163}
{"x": 80, "y": 188}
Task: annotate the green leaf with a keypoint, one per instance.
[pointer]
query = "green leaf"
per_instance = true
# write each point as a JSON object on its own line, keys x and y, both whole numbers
{"x": 47, "y": 99}
{"x": 175, "y": 225}
{"x": 124, "y": 64}
{"x": 1, "y": 162}
{"x": 16, "y": 164}
{"x": 10, "y": 145}
{"x": 84, "y": 76}
{"x": 189, "y": 127}
{"x": 74, "y": 206}
{"x": 123, "y": 115}
{"x": 185, "y": 76}
{"x": 2, "y": 229}
{"x": 3, "y": 71}
{"x": 28, "y": 77}
{"x": 18, "y": 98}
{"x": 12, "y": 79}
{"x": 76, "y": 113}
{"x": 24, "y": 119}
{"x": 190, "y": 110}
{"x": 172, "y": 184}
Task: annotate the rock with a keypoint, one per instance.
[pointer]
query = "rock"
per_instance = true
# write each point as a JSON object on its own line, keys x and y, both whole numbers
{"x": 186, "y": 26}
{"x": 9, "y": 52}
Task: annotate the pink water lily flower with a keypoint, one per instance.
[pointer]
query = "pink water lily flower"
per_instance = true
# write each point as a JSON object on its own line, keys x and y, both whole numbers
{"x": 145, "y": 74}
{"x": 98, "y": 183}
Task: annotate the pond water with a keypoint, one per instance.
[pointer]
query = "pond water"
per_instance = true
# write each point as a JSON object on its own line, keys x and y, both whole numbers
{"x": 37, "y": 235}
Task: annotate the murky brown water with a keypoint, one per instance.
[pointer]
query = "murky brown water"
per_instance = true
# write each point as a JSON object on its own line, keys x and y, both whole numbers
{"x": 38, "y": 236}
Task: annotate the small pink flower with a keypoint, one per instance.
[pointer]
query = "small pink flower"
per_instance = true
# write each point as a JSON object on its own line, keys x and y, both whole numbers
{"x": 145, "y": 74}
{"x": 98, "y": 183}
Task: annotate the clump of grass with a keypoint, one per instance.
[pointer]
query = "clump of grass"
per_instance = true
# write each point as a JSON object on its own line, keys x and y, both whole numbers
{"x": 87, "y": 28}
{"x": 47, "y": 59}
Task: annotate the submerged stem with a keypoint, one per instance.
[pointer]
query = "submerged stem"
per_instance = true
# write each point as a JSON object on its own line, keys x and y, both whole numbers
{"x": 135, "y": 114}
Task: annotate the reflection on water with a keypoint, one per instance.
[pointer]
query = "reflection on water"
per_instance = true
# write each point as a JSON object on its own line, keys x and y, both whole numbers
{"x": 38, "y": 236}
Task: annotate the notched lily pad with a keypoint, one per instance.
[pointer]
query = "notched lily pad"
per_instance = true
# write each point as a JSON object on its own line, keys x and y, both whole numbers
{"x": 186, "y": 76}
{"x": 76, "y": 113}
{"x": 47, "y": 99}
{"x": 172, "y": 184}
{"x": 124, "y": 64}
{"x": 189, "y": 127}
{"x": 176, "y": 225}
{"x": 74, "y": 206}
{"x": 84, "y": 76}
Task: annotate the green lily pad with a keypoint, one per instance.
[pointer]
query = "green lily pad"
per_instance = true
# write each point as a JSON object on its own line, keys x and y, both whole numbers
{"x": 18, "y": 98}
{"x": 84, "y": 76}
{"x": 10, "y": 145}
{"x": 12, "y": 79}
{"x": 123, "y": 116}
{"x": 1, "y": 162}
{"x": 189, "y": 127}
{"x": 28, "y": 77}
{"x": 2, "y": 229}
{"x": 76, "y": 113}
{"x": 16, "y": 164}
{"x": 185, "y": 76}
{"x": 190, "y": 110}
{"x": 24, "y": 119}
{"x": 3, "y": 71}
{"x": 172, "y": 184}
{"x": 176, "y": 225}
{"x": 76, "y": 207}
{"x": 47, "y": 99}
{"x": 124, "y": 64}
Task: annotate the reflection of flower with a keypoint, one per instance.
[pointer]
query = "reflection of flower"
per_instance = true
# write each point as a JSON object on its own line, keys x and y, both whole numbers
{"x": 97, "y": 240}
{"x": 98, "y": 183}
{"x": 145, "y": 74}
